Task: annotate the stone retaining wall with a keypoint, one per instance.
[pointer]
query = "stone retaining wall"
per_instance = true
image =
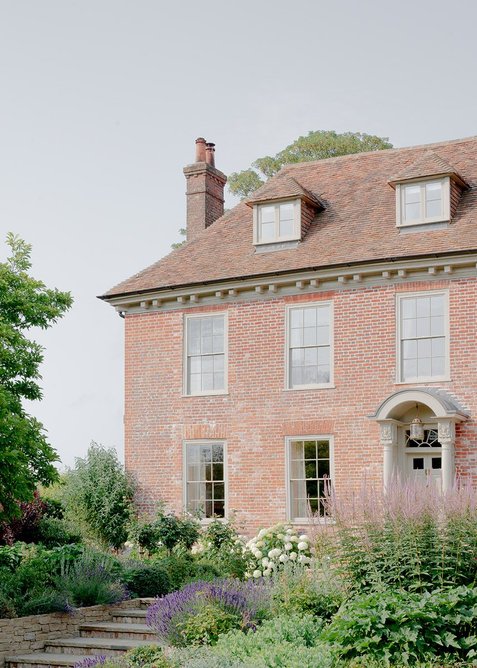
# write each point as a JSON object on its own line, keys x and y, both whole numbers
{"x": 30, "y": 634}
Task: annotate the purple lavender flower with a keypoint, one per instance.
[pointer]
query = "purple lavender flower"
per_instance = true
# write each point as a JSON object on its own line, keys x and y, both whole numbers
{"x": 247, "y": 600}
{"x": 91, "y": 662}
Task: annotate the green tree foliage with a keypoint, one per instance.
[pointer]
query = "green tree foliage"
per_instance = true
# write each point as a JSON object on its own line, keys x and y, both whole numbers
{"x": 100, "y": 493}
{"x": 178, "y": 244}
{"x": 26, "y": 458}
{"x": 313, "y": 146}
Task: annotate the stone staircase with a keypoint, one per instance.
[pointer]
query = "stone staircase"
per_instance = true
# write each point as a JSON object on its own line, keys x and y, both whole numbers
{"x": 126, "y": 630}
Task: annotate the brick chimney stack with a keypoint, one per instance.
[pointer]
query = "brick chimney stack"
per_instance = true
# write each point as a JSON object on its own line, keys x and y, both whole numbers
{"x": 205, "y": 189}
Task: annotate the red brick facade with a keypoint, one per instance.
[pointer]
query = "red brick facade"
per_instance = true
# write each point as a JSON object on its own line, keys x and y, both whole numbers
{"x": 258, "y": 412}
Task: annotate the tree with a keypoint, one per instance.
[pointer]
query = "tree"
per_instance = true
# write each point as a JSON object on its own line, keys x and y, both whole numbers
{"x": 314, "y": 146}
{"x": 26, "y": 457}
{"x": 100, "y": 494}
{"x": 178, "y": 244}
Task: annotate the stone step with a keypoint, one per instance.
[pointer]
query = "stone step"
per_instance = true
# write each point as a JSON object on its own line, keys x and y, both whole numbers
{"x": 132, "y": 616}
{"x": 117, "y": 630}
{"x": 93, "y": 646}
{"x": 43, "y": 660}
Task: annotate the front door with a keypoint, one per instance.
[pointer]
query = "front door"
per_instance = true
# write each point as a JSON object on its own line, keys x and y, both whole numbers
{"x": 425, "y": 467}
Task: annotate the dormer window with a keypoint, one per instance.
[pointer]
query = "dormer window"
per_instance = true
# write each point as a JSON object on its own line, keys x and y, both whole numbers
{"x": 278, "y": 221}
{"x": 423, "y": 202}
{"x": 427, "y": 193}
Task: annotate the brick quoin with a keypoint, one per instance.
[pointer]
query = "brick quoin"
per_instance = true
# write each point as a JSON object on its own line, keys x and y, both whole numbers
{"x": 258, "y": 412}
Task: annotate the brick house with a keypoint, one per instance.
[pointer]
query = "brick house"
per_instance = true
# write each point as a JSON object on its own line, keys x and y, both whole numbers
{"x": 324, "y": 328}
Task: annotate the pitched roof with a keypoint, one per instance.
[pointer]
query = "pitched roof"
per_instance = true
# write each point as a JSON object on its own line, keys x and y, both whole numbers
{"x": 358, "y": 223}
{"x": 283, "y": 186}
{"x": 429, "y": 164}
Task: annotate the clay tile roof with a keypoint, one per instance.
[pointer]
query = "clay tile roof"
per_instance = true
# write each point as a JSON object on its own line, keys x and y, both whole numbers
{"x": 429, "y": 164}
{"x": 283, "y": 187}
{"x": 358, "y": 223}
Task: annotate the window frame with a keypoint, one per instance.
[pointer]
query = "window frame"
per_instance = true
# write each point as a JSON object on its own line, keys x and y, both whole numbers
{"x": 296, "y": 236}
{"x": 317, "y": 386}
{"x": 288, "y": 441}
{"x": 423, "y": 220}
{"x": 198, "y": 442}
{"x": 185, "y": 356}
{"x": 422, "y": 379}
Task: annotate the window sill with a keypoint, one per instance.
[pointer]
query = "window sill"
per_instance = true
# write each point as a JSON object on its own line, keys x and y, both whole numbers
{"x": 222, "y": 393}
{"x": 416, "y": 381}
{"x": 327, "y": 386}
{"x": 307, "y": 521}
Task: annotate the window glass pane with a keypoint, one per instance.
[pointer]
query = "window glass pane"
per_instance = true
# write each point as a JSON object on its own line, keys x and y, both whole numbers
{"x": 309, "y": 317}
{"x": 424, "y": 348}
{"x": 297, "y": 468}
{"x": 286, "y": 211}
{"x": 218, "y": 362}
{"x": 219, "y": 380}
{"x": 409, "y": 349}
{"x": 423, "y": 326}
{"x": 408, "y": 308}
{"x": 296, "y": 337}
{"x": 324, "y": 468}
{"x": 267, "y": 214}
{"x": 323, "y": 335}
{"x": 312, "y": 488}
{"x": 323, "y": 449}
{"x": 412, "y": 194}
{"x": 433, "y": 199}
{"x": 310, "y": 449}
{"x": 194, "y": 383}
{"x": 423, "y": 306}
{"x": 297, "y": 376}
{"x": 217, "y": 471}
{"x": 286, "y": 228}
{"x": 409, "y": 369}
{"x": 309, "y": 336}
{"x": 296, "y": 317}
{"x": 311, "y": 356}
{"x": 323, "y": 374}
{"x": 438, "y": 366}
{"x": 219, "y": 508}
{"x": 310, "y": 469}
{"x": 424, "y": 367}
{"x": 324, "y": 355}
{"x": 436, "y": 463}
{"x": 418, "y": 463}
{"x": 437, "y": 325}
{"x": 409, "y": 328}
{"x": 438, "y": 347}
{"x": 219, "y": 490}
{"x": 267, "y": 232}
{"x": 297, "y": 450}
{"x": 298, "y": 356}
{"x": 310, "y": 375}
{"x": 207, "y": 362}
{"x": 437, "y": 305}
{"x": 218, "y": 452}
{"x": 412, "y": 212}
{"x": 433, "y": 208}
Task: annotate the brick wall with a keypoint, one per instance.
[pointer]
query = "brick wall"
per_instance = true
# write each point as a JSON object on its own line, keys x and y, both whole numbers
{"x": 30, "y": 634}
{"x": 258, "y": 413}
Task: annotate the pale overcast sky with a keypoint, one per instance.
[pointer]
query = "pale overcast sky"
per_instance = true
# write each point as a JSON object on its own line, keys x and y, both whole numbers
{"x": 100, "y": 104}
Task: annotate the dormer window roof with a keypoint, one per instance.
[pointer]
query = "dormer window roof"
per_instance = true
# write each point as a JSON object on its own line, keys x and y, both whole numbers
{"x": 427, "y": 192}
{"x": 282, "y": 212}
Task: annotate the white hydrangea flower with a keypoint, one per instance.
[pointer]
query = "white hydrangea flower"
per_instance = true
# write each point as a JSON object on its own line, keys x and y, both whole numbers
{"x": 261, "y": 533}
{"x": 303, "y": 559}
{"x": 257, "y": 574}
{"x": 293, "y": 556}
{"x": 267, "y": 572}
{"x": 275, "y": 552}
{"x": 280, "y": 536}
{"x": 303, "y": 537}
{"x": 289, "y": 530}
{"x": 265, "y": 561}
{"x": 288, "y": 546}
{"x": 294, "y": 539}
{"x": 302, "y": 546}
{"x": 259, "y": 543}
{"x": 283, "y": 558}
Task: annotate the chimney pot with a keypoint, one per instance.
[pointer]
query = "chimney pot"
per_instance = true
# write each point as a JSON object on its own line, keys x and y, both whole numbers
{"x": 210, "y": 154}
{"x": 200, "y": 145}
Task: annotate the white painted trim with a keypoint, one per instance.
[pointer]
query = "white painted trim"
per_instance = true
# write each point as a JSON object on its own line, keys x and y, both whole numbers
{"x": 205, "y": 441}
{"x": 296, "y": 236}
{"x": 372, "y": 274}
{"x": 431, "y": 379}
{"x": 208, "y": 314}
{"x": 308, "y": 304}
{"x": 308, "y": 437}
{"x": 423, "y": 220}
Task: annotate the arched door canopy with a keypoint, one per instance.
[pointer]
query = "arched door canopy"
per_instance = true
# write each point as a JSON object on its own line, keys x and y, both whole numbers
{"x": 438, "y": 401}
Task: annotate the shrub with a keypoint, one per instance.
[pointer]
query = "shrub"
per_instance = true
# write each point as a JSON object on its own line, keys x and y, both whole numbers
{"x": 92, "y": 580}
{"x": 166, "y": 531}
{"x": 289, "y": 641}
{"x": 53, "y": 532}
{"x": 221, "y": 545}
{"x": 101, "y": 493}
{"x": 24, "y": 527}
{"x": 246, "y": 603}
{"x": 273, "y": 548}
{"x": 404, "y": 627}
{"x": 144, "y": 579}
{"x": 11, "y": 556}
{"x": 298, "y": 589}
{"x": 411, "y": 538}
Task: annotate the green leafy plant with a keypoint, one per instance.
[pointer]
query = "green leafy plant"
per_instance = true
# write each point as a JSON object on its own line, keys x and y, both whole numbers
{"x": 26, "y": 457}
{"x": 101, "y": 494}
{"x": 206, "y": 625}
{"x": 166, "y": 531}
{"x": 404, "y": 627}
{"x": 91, "y": 580}
{"x": 221, "y": 545}
{"x": 272, "y": 548}
{"x": 147, "y": 579}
